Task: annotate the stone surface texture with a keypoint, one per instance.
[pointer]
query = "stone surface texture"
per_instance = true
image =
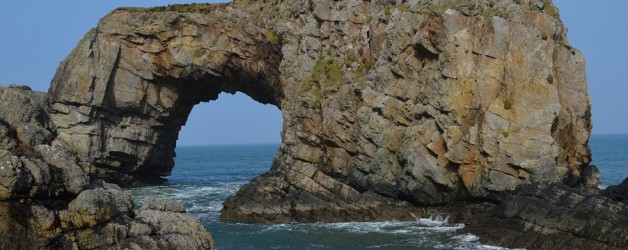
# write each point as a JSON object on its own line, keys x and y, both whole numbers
{"x": 553, "y": 217}
{"x": 618, "y": 192}
{"x": 49, "y": 201}
{"x": 385, "y": 103}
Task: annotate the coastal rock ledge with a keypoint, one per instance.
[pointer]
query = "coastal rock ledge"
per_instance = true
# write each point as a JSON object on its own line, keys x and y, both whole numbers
{"x": 388, "y": 107}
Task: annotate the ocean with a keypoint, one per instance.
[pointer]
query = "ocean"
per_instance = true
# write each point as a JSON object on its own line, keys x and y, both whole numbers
{"x": 610, "y": 155}
{"x": 204, "y": 176}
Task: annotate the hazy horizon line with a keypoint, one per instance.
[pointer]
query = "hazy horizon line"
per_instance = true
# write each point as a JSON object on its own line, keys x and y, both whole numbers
{"x": 279, "y": 142}
{"x": 228, "y": 144}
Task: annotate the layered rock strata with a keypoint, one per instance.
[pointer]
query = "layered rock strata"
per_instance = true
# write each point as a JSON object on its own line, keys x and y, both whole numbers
{"x": 48, "y": 201}
{"x": 385, "y": 103}
{"x": 553, "y": 217}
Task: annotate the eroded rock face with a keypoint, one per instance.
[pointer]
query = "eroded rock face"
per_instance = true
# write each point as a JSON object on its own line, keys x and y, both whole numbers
{"x": 384, "y": 104}
{"x": 98, "y": 218}
{"x": 553, "y": 217}
{"x": 48, "y": 200}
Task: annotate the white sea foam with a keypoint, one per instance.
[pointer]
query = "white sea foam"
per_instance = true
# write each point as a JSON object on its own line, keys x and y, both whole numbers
{"x": 278, "y": 227}
{"x": 466, "y": 237}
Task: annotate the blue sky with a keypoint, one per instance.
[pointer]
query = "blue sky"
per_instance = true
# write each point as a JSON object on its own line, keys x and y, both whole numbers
{"x": 37, "y": 35}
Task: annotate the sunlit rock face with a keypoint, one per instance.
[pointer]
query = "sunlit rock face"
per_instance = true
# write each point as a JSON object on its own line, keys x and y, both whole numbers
{"x": 49, "y": 201}
{"x": 385, "y": 104}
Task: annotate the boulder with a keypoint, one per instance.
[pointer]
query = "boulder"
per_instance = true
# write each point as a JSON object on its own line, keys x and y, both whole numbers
{"x": 15, "y": 180}
{"x": 73, "y": 177}
{"x": 102, "y": 217}
{"x": 618, "y": 192}
{"x": 95, "y": 206}
{"x": 27, "y": 114}
{"x": 163, "y": 205}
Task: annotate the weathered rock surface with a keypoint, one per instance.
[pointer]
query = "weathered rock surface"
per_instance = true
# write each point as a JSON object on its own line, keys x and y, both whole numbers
{"x": 24, "y": 115}
{"x": 553, "y": 217}
{"x": 618, "y": 192}
{"x": 98, "y": 218}
{"x": 48, "y": 201}
{"x": 384, "y": 102}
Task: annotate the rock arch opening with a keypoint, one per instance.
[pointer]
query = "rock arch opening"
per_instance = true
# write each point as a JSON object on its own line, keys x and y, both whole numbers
{"x": 231, "y": 119}
{"x": 121, "y": 97}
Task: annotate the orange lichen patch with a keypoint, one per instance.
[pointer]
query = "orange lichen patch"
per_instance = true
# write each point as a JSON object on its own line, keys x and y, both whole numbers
{"x": 469, "y": 173}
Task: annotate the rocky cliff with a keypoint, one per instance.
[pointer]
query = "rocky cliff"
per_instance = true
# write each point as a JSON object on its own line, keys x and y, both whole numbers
{"x": 385, "y": 103}
{"x": 48, "y": 201}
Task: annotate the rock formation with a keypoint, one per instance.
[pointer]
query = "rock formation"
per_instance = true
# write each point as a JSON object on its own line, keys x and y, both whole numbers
{"x": 553, "y": 217}
{"x": 48, "y": 201}
{"x": 388, "y": 106}
{"x": 385, "y": 103}
{"x": 618, "y": 192}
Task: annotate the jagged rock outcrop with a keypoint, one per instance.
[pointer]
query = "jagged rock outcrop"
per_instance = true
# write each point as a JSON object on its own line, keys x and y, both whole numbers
{"x": 424, "y": 102}
{"x": 618, "y": 192}
{"x": 98, "y": 218}
{"x": 553, "y": 217}
{"x": 48, "y": 200}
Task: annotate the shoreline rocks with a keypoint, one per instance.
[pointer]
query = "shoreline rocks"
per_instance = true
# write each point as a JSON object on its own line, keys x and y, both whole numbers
{"x": 553, "y": 217}
{"x": 618, "y": 192}
{"x": 48, "y": 200}
{"x": 100, "y": 217}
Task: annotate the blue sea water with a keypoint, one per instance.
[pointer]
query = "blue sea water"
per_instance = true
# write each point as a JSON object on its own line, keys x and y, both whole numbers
{"x": 610, "y": 155}
{"x": 204, "y": 176}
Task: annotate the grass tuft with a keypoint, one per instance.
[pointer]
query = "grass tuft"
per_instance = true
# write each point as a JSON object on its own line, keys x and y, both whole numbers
{"x": 507, "y": 105}
{"x": 387, "y": 11}
{"x": 272, "y": 37}
{"x": 550, "y": 79}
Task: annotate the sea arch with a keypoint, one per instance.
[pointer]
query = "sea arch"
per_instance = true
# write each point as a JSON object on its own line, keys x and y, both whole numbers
{"x": 423, "y": 108}
{"x": 119, "y": 100}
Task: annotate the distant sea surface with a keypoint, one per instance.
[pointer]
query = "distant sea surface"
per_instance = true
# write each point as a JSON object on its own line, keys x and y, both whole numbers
{"x": 204, "y": 176}
{"x": 610, "y": 155}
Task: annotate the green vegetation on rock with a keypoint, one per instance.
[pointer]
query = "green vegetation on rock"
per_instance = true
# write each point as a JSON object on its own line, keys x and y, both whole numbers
{"x": 350, "y": 58}
{"x": 328, "y": 73}
{"x": 507, "y": 105}
{"x": 366, "y": 66}
{"x": 550, "y": 9}
{"x": 550, "y": 79}
{"x": 272, "y": 37}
